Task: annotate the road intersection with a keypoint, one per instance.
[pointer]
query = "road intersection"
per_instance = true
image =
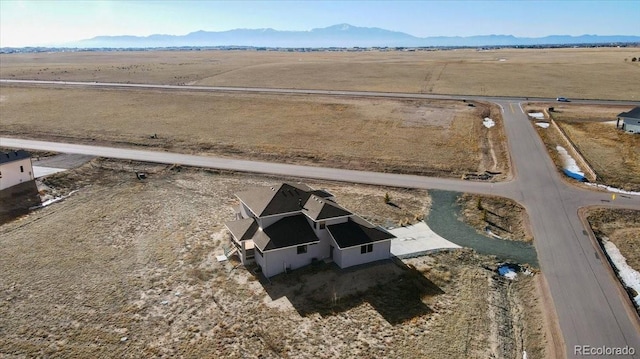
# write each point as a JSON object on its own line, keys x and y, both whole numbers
{"x": 591, "y": 306}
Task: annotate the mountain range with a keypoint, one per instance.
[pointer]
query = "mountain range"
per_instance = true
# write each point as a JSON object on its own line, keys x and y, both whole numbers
{"x": 341, "y": 35}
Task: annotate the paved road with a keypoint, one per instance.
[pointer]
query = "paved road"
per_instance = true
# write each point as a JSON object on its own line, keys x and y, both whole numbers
{"x": 591, "y": 308}
{"x": 300, "y": 91}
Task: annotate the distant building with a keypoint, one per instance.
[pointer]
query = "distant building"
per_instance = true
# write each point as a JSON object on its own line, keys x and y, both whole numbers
{"x": 18, "y": 190}
{"x": 630, "y": 120}
{"x": 15, "y": 168}
{"x": 292, "y": 225}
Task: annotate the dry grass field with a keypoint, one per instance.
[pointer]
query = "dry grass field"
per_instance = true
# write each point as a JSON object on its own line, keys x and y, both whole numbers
{"x": 620, "y": 226}
{"x": 443, "y": 138}
{"x": 606, "y": 73}
{"x": 502, "y": 216}
{"x": 613, "y": 154}
{"x": 126, "y": 268}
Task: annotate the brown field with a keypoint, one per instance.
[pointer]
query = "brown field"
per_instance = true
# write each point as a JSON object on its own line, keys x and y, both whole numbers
{"x": 444, "y": 138}
{"x": 606, "y": 73}
{"x": 613, "y": 154}
{"x": 620, "y": 226}
{"x": 126, "y": 268}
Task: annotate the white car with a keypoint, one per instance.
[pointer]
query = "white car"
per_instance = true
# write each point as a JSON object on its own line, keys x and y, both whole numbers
{"x": 562, "y": 99}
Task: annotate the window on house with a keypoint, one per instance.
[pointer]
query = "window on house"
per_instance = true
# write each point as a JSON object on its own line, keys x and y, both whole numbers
{"x": 323, "y": 225}
{"x": 366, "y": 248}
{"x": 21, "y": 169}
{"x": 302, "y": 249}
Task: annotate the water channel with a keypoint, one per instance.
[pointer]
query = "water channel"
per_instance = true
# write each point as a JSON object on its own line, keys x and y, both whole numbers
{"x": 443, "y": 219}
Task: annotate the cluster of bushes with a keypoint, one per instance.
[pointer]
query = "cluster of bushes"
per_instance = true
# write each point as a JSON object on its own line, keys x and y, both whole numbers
{"x": 633, "y": 59}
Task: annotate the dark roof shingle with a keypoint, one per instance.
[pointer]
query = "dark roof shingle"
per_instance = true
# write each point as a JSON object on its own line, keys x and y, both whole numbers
{"x": 635, "y": 113}
{"x": 356, "y": 232}
{"x": 318, "y": 209}
{"x": 6, "y": 157}
{"x": 287, "y": 232}
{"x": 267, "y": 201}
{"x": 243, "y": 229}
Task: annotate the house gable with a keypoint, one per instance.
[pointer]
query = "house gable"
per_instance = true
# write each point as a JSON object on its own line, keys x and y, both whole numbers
{"x": 318, "y": 208}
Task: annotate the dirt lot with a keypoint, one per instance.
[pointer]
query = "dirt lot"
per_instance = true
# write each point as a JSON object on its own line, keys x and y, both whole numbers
{"x": 600, "y": 73}
{"x": 438, "y": 138}
{"x": 502, "y": 216}
{"x": 127, "y": 268}
{"x": 613, "y": 154}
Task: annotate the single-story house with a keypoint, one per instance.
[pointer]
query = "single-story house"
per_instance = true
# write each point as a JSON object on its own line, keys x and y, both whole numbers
{"x": 630, "y": 120}
{"x": 15, "y": 168}
{"x": 289, "y": 226}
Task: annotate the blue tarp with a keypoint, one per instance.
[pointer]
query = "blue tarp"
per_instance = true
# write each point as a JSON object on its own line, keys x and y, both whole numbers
{"x": 574, "y": 175}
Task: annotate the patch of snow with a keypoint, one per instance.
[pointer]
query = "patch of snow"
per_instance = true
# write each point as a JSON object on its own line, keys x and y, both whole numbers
{"x": 612, "y": 189}
{"x": 536, "y": 115}
{"x": 492, "y": 234}
{"x": 568, "y": 162}
{"x": 629, "y": 276}
{"x": 542, "y": 124}
{"x": 54, "y": 200}
{"x": 488, "y": 123}
{"x": 502, "y": 60}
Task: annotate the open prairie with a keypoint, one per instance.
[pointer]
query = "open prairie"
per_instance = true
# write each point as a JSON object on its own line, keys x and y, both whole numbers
{"x": 444, "y": 138}
{"x": 127, "y": 268}
{"x": 605, "y": 73}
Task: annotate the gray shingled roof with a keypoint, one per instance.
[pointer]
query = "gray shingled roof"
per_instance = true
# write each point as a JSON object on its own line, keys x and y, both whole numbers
{"x": 356, "y": 232}
{"x": 6, "y": 157}
{"x": 243, "y": 229}
{"x": 287, "y": 232}
{"x": 267, "y": 201}
{"x": 318, "y": 208}
{"x": 635, "y": 113}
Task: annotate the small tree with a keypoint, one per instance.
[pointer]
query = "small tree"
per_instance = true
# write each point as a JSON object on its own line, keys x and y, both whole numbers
{"x": 387, "y": 198}
{"x": 634, "y": 59}
{"x": 479, "y": 203}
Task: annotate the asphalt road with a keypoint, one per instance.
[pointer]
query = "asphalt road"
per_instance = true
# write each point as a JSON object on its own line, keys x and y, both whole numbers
{"x": 591, "y": 306}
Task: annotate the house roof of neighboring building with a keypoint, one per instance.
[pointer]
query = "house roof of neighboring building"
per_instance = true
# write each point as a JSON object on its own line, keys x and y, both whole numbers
{"x": 635, "y": 113}
{"x": 356, "y": 232}
{"x": 243, "y": 229}
{"x": 318, "y": 208}
{"x": 6, "y": 157}
{"x": 287, "y": 232}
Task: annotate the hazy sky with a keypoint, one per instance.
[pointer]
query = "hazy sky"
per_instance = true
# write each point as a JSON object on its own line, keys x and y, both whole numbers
{"x": 41, "y": 22}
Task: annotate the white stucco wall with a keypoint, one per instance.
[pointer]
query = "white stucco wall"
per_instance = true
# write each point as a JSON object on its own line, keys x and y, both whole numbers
{"x": 631, "y": 125}
{"x": 351, "y": 256}
{"x": 11, "y": 174}
{"x": 274, "y": 262}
